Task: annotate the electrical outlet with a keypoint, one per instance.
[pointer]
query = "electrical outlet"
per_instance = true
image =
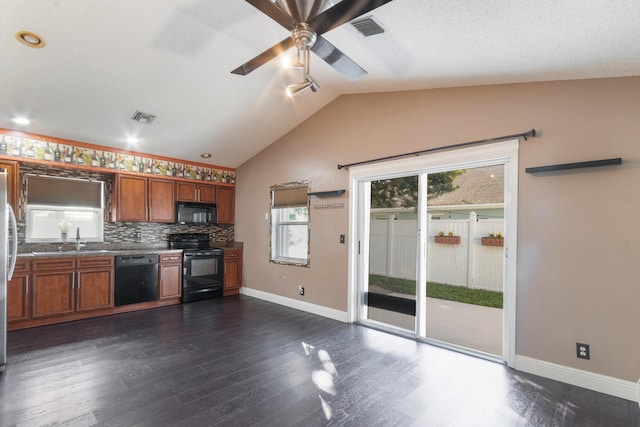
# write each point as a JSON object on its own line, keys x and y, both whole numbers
{"x": 301, "y": 290}
{"x": 582, "y": 351}
{"x": 138, "y": 235}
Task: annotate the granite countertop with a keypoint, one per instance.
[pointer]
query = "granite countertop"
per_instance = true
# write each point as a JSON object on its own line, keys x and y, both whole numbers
{"x": 61, "y": 250}
{"x": 96, "y": 252}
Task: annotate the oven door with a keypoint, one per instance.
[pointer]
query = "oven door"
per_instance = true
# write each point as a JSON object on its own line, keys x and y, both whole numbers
{"x": 202, "y": 275}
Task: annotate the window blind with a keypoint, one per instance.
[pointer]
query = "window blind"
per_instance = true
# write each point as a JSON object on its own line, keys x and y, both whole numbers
{"x": 46, "y": 190}
{"x": 289, "y": 197}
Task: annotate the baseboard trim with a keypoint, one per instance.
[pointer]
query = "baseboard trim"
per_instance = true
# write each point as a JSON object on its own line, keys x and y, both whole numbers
{"x": 585, "y": 379}
{"x": 331, "y": 313}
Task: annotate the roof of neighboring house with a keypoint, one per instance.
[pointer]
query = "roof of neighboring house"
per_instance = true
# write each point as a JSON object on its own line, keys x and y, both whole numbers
{"x": 476, "y": 186}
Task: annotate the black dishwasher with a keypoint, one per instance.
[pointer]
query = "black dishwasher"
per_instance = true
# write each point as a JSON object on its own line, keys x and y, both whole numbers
{"x": 136, "y": 279}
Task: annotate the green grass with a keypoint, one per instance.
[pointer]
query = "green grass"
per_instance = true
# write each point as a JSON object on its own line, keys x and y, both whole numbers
{"x": 440, "y": 291}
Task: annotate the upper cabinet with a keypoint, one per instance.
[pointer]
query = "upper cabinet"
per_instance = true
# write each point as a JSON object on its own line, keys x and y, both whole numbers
{"x": 225, "y": 204}
{"x": 139, "y": 199}
{"x": 13, "y": 172}
{"x": 162, "y": 206}
{"x": 130, "y": 199}
{"x": 192, "y": 192}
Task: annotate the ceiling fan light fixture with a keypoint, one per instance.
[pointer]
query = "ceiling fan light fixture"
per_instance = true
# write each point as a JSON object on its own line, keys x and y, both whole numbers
{"x": 296, "y": 63}
{"x": 315, "y": 86}
{"x": 294, "y": 89}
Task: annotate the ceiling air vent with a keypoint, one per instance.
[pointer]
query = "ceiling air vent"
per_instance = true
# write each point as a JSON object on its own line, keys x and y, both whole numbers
{"x": 141, "y": 117}
{"x": 367, "y": 26}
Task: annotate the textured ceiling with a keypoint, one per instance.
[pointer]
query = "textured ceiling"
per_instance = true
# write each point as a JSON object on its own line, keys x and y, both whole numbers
{"x": 103, "y": 60}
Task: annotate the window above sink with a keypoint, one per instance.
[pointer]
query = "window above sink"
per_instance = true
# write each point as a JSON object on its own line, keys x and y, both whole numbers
{"x": 57, "y": 207}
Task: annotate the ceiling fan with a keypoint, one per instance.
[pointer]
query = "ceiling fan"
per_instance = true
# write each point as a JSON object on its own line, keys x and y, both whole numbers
{"x": 307, "y": 20}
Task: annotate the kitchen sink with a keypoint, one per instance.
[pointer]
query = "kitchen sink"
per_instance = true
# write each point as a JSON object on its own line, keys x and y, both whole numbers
{"x": 87, "y": 251}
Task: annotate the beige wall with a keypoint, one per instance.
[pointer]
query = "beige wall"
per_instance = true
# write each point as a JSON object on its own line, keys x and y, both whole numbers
{"x": 578, "y": 236}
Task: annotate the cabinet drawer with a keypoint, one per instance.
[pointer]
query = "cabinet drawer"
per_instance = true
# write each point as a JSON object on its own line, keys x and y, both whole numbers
{"x": 54, "y": 264}
{"x": 22, "y": 267}
{"x": 93, "y": 262}
{"x": 231, "y": 254}
{"x": 171, "y": 258}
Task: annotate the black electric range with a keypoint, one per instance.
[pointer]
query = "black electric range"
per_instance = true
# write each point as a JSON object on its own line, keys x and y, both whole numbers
{"x": 202, "y": 266}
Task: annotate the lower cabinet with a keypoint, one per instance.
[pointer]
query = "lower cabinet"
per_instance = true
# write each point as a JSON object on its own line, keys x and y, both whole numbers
{"x": 18, "y": 301}
{"x": 64, "y": 286}
{"x": 94, "y": 288}
{"x": 52, "y": 290}
{"x": 53, "y": 283}
{"x": 232, "y": 271}
{"x": 170, "y": 276}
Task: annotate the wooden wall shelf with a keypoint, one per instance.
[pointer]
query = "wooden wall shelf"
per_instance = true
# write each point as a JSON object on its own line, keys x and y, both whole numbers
{"x": 577, "y": 165}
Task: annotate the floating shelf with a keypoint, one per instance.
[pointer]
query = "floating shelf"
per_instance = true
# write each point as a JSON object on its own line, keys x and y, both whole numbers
{"x": 578, "y": 165}
{"x": 333, "y": 193}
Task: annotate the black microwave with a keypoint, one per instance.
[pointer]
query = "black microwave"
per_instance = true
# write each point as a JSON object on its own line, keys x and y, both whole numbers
{"x": 192, "y": 213}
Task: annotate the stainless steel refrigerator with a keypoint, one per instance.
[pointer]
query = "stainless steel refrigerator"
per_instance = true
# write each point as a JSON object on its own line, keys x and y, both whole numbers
{"x": 8, "y": 251}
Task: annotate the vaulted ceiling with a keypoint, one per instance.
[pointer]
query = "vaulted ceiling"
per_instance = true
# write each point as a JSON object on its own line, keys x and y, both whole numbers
{"x": 104, "y": 60}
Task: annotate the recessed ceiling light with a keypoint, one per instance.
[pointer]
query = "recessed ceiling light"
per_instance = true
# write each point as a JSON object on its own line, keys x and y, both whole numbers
{"x": 132, "y": 140}
{"x": 205, "y": 155}
{"x": 20, "y": 120}
{"x": 30, "y": 39}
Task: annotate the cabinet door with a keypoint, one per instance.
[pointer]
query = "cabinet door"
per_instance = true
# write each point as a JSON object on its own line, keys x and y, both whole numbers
{"x": 18, "y": 298}
{"x": 13, "y": 171}
{"x": 225, "y": 204}
{"x": 186, "y": 192}
{"x": 94, "y": 278}
{"x": 52, "y": 293}
{"x": 232, "y": 272}
{"x": 170, "y": 280}
{"x": 18, "y": 303}
{"x": 131, "y": 203}
{"x": 162, "y": 201}
{"x": 206, "y": 193}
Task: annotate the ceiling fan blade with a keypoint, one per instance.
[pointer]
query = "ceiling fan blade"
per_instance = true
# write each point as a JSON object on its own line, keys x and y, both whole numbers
{"x": 343, "y": 12}
{"x": 274, "y": 12}
{"x": 264, "y": 57}
{"x": 338, "y": 60}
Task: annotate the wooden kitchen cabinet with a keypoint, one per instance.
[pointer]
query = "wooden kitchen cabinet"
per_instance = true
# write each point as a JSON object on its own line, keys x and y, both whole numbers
{"x": 53, "y": 283}
{"x": 232, "y": 271}
{"x": 170, "y": 276}
{"x": 140, "y": 199}
{"x": 192, "y": 192}
{"x": 162, "y": 206}
{"x": 64, "y": 286}
{"x": 131, "y": 198}
{"x": 18, "y": 301}
{"x": 225, "y": 204}
{"x": 94, "y": 278}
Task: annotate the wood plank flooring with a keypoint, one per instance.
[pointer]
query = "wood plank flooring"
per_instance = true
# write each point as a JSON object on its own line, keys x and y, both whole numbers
{"x": 240, "y": 361}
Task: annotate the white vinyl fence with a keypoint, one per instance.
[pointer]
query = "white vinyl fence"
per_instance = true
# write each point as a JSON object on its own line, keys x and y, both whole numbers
{"x": 393, "y": 249}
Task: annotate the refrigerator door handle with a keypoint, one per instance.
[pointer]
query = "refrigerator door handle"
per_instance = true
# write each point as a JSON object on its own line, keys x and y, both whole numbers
{"x": 14, "y": 249}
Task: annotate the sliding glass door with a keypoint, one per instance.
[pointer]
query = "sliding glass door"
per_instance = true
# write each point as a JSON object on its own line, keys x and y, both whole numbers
{"x": 390, "y": 292}
{"x": 431, "y": 259}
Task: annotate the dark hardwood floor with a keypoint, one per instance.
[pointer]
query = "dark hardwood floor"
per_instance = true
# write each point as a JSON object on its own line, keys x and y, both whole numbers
{"x": 241, "y": 361}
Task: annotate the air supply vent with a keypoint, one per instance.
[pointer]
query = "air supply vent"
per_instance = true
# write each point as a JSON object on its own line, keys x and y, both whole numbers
{"x": 141, "y": 117}
{"x": 367, "y": 26}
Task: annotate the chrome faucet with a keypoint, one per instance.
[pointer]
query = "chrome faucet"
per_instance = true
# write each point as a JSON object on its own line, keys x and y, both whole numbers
{"x": 78, "y": 244}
